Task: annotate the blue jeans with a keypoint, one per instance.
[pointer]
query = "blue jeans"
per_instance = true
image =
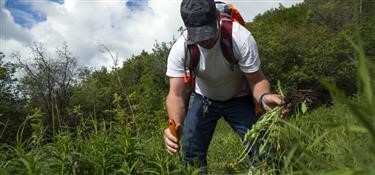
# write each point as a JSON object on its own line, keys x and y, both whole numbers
{"x": 201, "y": 119}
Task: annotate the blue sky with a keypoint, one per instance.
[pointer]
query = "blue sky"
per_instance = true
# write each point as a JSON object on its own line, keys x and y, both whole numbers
{"x": 25, "y": 15}
{"x": 126, "y": 27}
{"x": 135, "y": 5}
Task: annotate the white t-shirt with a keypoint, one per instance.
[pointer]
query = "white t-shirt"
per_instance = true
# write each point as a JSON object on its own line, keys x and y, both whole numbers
{"x": 214, "y": 78}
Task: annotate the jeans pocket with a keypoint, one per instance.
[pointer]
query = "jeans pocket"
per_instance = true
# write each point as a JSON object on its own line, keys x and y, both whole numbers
{"x": 206, "y": 103}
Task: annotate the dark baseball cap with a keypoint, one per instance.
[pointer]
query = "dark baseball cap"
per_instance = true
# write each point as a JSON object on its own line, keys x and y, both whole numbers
{"x": 200, "y": 19}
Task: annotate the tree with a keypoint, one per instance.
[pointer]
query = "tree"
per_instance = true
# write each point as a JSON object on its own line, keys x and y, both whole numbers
{"x": 6, "y": 80}
{"x": 12, "y": 112}
{"x": 299, "y": 51}
{"x": 334, "y": 14}
{"x": 48, "y": 80}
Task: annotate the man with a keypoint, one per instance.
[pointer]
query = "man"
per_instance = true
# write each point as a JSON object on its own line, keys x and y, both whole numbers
{"x": 219, "y": 90}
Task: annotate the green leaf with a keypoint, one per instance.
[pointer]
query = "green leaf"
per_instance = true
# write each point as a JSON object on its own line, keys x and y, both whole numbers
{"x": 280, "y": 88}
{"x": 358, "y": 129}
{"x": 363, "y": 71}
{"x": 303, "y": 107}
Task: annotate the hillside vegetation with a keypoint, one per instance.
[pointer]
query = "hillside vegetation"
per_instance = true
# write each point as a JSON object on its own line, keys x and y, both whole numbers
{"x": 64, "y": 119}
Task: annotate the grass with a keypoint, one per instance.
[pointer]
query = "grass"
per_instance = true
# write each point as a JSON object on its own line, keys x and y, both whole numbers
{"x": 224, "y": 149}
{"x": 337, "y": 139}
{"x": 327, "y": 140}
{"x": 319, "y": 142}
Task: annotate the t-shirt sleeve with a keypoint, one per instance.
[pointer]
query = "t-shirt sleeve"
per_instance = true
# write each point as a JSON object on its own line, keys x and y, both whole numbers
{"x": 248, "y": 51}
{"x": 175, "y": 65}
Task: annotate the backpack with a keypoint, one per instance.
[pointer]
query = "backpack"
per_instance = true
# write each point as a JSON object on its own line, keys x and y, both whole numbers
{"x": 228, "y": 15}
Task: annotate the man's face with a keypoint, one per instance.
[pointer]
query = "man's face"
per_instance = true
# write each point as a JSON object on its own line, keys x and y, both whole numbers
{"x": 208, "y": 44}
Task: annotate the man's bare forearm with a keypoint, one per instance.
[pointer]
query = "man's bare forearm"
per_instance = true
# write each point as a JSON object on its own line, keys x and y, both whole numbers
{"x": 176, "y": 108}
{"x": 177, "y": 100}
{"x": 258, "y": 83}
{"x": 260, "y": 88}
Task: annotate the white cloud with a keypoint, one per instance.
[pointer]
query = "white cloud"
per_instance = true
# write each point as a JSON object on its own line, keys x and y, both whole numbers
{"x": 9, "y": 30}
{"x": 250, "y": 8}
{"x": 86, "y": 24}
